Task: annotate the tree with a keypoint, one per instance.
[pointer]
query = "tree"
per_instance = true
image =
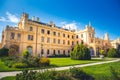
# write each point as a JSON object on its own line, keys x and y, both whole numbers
{"x": 113, "y": 53}
{"x": 4, "y": 52}
{"x": 80, "y": 52}
{"x": 25, "y": 54}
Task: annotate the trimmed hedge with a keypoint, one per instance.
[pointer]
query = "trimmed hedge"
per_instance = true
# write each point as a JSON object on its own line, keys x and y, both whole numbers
{"x": 19, "y": 65}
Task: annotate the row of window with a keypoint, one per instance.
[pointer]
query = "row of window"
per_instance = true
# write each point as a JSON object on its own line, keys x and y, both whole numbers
{"x": 13, "y": 36}
{"x": 57, "y": 41}
{"x": 54, "y": 52}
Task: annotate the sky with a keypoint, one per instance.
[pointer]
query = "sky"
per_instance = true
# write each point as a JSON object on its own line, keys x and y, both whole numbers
{"x": 104, "y": 15}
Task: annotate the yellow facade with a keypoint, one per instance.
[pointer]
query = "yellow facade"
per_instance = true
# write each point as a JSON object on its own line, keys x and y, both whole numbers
{"x": 48, "y": 39}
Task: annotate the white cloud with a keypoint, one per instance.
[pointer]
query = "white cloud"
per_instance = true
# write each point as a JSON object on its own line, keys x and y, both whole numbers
{"x": 71, "y": 26}
{"x": 9, "y": 18}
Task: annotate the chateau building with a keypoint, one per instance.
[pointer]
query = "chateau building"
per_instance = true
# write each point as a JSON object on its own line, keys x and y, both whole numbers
{"x": 48, "y": 39}
{"x": 115, "y": 43}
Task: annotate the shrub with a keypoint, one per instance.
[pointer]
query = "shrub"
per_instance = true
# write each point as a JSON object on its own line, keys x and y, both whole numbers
{"x": 4, "y": 52}
{"x": 113, "y": 53}
{"x": 31, "y": 61}
{"x": 19, "y": 65}
{"x": 44, "y": 62}
{"x": 80, "y": 74}
{"x": 80, "y": 52}
{"x": 25, "y": 54}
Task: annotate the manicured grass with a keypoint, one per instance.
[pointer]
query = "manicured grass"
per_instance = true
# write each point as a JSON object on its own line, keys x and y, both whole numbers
{"x": 67, "y": 61}
{"x": 102, "y": 72}
{"x": 9, "y": 78}
{"x": 3, "y": 67}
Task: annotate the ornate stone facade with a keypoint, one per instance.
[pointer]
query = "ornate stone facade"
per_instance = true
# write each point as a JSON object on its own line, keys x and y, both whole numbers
{"x": 48, "y": 39}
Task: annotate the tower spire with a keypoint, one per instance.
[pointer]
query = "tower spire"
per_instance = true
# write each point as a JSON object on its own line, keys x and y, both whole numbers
{"x": 89, "y": 23}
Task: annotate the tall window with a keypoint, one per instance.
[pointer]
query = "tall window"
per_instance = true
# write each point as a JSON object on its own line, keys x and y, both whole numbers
{"x": 54, "y": 33}
{"x": 72, "y": 37}
{"x": 42, "y": 51}
{"x": 54, "y": 40}
{"x": 77, "y": 36}
{"x": 77, "y": 42}
{"x": 42, "y": 31}
{"x": 63, "y": 41}
{"x": 31, "y": 28}
{"x": 68, "y": 42}
{"x": 48, "y": 32}
{"x": 48, "y": 40}
{"x": 42, "y": 39}
{"x": 58, "y": 34}
{"x": 58, "y": 41}
{"x": 48, "y": 52}
{"x": 54, "y": 52}
{"x": 64, "y": 52}
{"x": 30, "y": 37}
{"x": 12, "y": 35}
{"x": 68, "y": 36}
{"x": 19, "y": 36}
{"x": 30, "y": 49}
{"x": 58, "y": 51}
{"x": 63, "y": 35}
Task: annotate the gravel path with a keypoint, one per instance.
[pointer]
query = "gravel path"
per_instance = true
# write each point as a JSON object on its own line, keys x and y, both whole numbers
{"x": 13, "y": 73}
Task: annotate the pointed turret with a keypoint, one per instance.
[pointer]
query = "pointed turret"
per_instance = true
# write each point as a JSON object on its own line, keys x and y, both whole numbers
{"x": 106, "y": 37}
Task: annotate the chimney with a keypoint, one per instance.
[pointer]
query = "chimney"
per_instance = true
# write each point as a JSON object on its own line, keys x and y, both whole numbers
{"x": 51, "y": 23}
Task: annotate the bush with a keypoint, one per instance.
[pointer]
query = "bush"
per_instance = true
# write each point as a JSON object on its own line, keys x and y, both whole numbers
{"x": 31, "y": 61}
{"x": 113, "y": 53}
{"x": 4, "y": 52}
{"x": 19, "y": 65}
{"x": 44, "y": 62}
{"x": 73, "y": 74}
{"x": 80, "y": 52}
{"x": 25, "y": 54}
{"x": 80, "y": 74}
{"x": 58, "y": 55}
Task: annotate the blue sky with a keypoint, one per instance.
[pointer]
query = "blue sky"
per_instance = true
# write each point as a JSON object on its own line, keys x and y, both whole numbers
{"x": 103, "y": 14}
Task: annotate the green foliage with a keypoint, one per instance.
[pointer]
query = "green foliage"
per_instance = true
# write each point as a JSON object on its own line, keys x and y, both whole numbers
{"x": 4, "y": 52}
{"x": 25, "y": 54}
{"x": 31, "y": 61}
{"x": 102, "y": 51}
{"x": 113, "y": 53}
{"x": 19, "y": 65}
{"x": 80, "y": 74}
{"x": 73, "y": 74}
{"x": 80, "y": 52}
{"x": 44, "y": 62}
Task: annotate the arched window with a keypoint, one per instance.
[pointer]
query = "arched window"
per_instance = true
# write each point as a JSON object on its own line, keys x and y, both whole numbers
{"x": 48, "y": 52}
{"x": 30, "y": 49}
{"x": 64, "y": 52}
{"x": 54, "y": 52}
{"x": 42, "y": 51}
{"x": 58, "y": 51}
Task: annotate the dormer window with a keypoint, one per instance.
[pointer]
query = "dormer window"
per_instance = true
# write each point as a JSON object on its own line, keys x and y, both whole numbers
{"x": 31, "y": 28}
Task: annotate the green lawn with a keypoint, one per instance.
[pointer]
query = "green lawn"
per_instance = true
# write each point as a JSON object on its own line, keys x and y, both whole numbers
{"x": 102, "y": 72}
{"x": 99, "y": 72}
{"x": 67, "y": 61}
{"x": 9, "y": 78}
{"x": 3, "y": 67}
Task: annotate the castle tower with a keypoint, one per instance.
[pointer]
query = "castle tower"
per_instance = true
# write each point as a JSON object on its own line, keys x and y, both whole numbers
{"x": 106, "y": 37}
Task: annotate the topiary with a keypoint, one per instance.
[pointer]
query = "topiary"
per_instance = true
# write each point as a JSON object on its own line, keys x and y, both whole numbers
{"x": 80, "y": 52}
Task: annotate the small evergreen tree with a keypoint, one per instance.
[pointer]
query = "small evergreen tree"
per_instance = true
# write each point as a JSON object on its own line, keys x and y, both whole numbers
{"x": 4, "y": 52}
{"x": 80, "y": 52}
{"x": 113, "y": 53}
